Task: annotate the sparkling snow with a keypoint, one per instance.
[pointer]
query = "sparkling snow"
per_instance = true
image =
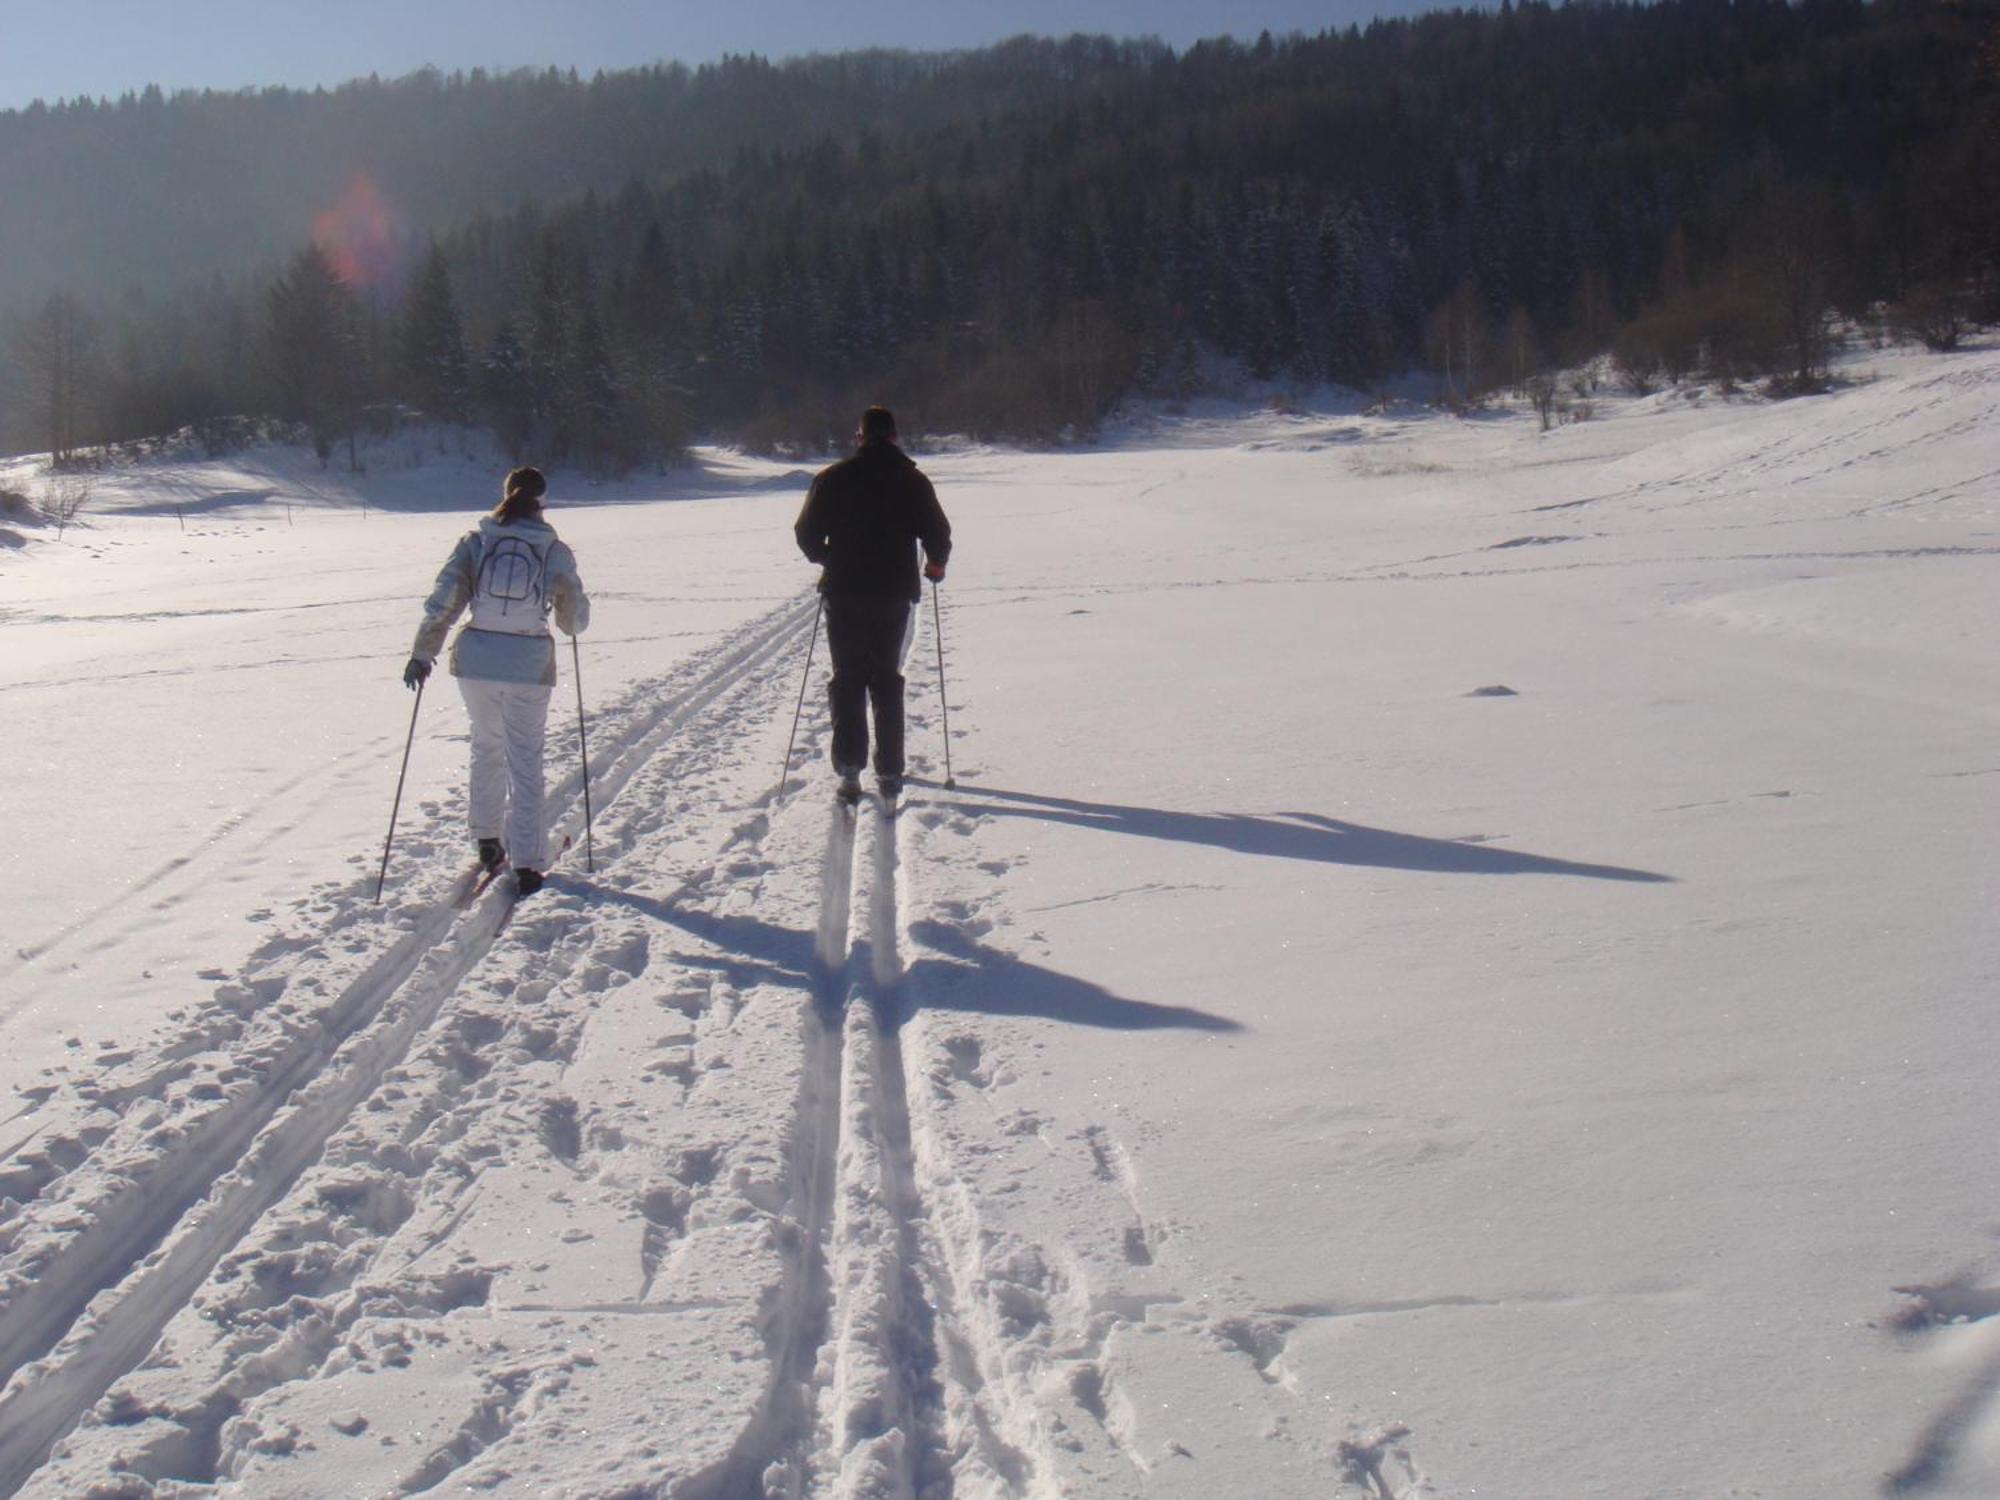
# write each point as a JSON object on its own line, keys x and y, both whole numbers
{"x": 1460, "y": 962}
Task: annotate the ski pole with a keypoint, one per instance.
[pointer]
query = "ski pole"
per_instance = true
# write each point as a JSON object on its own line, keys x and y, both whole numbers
{"x": 397, "y": 806}
{"x": 583, "y": 744}
{"x": 784, "y": 774}
{"x": 937, "y": 623}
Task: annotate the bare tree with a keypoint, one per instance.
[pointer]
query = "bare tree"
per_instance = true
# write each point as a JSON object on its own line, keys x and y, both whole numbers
{"x": 1800, "y": 262}
{"x": 1089, "y": 352}
{"x": 1935, "y": 314}
{"x": 55, "y": 359}
{"x": 1542, "y": 396}
{"x": 64, "y": 495}
{"x": 1458, "y": 343}
{"x": 1591, "y": 319}
{"x": 1521, "y": 348}
{"x": 1635, "y": 355}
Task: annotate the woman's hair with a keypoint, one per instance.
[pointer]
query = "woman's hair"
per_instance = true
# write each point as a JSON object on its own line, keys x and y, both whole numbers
{"x": 521, "y": 496}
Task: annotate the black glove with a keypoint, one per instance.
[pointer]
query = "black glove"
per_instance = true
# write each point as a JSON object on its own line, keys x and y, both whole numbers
{"x": 415, "y": 673}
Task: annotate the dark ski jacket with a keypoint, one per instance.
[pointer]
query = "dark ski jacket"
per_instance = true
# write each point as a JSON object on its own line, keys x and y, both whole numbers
{"x": 863, "y": 519}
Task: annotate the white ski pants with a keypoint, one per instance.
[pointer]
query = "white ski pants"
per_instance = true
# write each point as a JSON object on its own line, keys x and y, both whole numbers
{"x": 508, "y": 723}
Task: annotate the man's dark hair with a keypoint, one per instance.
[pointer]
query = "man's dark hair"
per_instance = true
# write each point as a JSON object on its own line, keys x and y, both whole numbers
{"x": 878, "y": 424}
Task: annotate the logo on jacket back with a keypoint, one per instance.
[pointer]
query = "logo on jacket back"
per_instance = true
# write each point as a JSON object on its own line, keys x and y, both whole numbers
{"x": 510, "y": 577}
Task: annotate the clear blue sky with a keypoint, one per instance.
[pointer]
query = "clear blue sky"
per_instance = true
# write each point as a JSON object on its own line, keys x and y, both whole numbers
{"x": 58, "y": 49}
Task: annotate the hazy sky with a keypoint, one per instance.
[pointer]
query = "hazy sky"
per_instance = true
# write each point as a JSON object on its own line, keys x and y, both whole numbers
{"x": 58, "y": 49}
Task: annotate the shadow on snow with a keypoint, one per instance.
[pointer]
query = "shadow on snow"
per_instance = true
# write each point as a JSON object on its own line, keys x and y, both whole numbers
{"x": 1306, "y": 836}
{"x": 957, "y": 973}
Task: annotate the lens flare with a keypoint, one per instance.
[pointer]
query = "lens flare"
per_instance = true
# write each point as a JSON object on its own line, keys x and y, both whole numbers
{"x": 359, "y": 236}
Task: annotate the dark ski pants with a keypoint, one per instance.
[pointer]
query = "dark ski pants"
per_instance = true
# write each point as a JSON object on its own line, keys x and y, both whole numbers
{"x": 868, "y": 636}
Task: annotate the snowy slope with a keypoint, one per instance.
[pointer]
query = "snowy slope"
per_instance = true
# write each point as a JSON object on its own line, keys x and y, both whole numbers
{"x": 1460, "y": 961}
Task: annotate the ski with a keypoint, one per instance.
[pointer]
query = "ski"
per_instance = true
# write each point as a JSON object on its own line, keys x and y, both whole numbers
{"x": 480, "y": 878}
{"x": 507, "y": 911}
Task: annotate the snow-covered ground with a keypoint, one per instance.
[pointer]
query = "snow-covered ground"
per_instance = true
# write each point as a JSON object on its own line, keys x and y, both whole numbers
{"x": 1459, "y": 962}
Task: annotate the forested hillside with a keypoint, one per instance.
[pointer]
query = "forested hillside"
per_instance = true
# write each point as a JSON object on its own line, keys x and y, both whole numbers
{"x": 1005, "y": 242}
{"x": 151, "y": 191}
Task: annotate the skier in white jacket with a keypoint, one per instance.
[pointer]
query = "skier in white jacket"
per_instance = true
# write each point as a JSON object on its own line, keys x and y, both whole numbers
{"x": 512, "y": 572}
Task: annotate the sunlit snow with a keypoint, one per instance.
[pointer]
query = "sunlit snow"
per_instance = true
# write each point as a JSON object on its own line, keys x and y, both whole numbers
{"x": 1460, "y": 961}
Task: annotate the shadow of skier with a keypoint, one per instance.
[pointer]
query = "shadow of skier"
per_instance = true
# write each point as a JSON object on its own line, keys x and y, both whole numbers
{"x": 962, "y": 974}
{"x": 949, "y": 971}
{"x": 1289, "y": 835}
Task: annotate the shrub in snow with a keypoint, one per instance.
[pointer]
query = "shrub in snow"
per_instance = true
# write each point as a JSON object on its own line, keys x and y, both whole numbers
{"x": 1936, "y": 314}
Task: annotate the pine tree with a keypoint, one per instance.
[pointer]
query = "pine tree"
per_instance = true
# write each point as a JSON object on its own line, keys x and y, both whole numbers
{"x": 549, "y": 360}
{"x": 433, "y": 344}
{"x": 598, "y": 396}
{"x": 1016, "y": 236}
{"x": 314, "y": 348}
{"x": 507, "y": 392}
{"x": 650, "y": 333}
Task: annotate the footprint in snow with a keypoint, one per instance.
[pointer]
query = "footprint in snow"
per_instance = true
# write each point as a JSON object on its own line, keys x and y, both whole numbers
{"x": 963, "y": 1061}
{"x": 679, "y": 1066}
{"x": 699, "y": 1165}
{"x": 1951, "y": 1302}
{"x": 1263, "y": 1339}
{"x": 689, "y": 1002}
{"x": 561, "y": 1131}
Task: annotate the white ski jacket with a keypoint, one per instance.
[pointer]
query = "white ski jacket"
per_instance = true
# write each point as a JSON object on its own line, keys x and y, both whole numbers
{"x": 512, "y": 577}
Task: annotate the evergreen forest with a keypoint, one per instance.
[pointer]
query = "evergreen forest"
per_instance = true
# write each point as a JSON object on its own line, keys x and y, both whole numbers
{"x": 1004, "y": 243}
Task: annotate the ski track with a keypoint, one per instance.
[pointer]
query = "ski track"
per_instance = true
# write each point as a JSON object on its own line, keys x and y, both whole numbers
{"x": 249, "y": 1092}
{"x": 878, "y": 1391}
{"x": 878, "y": 1410}
{"x": 853, "y": 1410}
{"x": 771, "y": 1454}
{"x": 1812, "y": 454}
{"x": 869, "y": 1394}
{"x": 1972, "y": 1313}
{"x": 262, "y": 1204}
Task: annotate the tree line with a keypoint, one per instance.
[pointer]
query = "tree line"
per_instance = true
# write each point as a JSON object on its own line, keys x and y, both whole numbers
{"x": 1696, "y": 186}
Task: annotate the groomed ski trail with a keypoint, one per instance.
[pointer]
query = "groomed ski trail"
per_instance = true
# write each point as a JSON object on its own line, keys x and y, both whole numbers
{"x": 95, "y": 1263}
{"x": 858, "y": 1406}
{"x": 873, "y": 1386}
{"x": 769, "y": 1457}
{"x": 878, "y": 1436}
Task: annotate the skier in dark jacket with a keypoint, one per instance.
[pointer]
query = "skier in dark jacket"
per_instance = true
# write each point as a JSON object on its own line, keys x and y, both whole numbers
{"x": 862, "y": 522}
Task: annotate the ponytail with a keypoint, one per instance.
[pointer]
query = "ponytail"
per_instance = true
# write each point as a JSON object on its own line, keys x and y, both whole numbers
{"x": 521, "y": 496}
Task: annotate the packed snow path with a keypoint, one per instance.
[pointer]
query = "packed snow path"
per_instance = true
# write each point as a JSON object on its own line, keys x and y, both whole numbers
{"x": 1460, "y": 962}
{"x": 267, "y": 1077}
{"x": 293, "y": 1202}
